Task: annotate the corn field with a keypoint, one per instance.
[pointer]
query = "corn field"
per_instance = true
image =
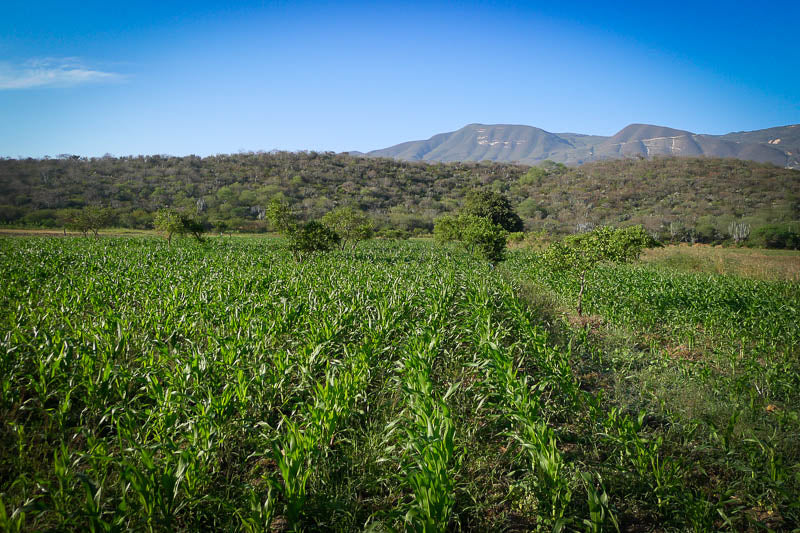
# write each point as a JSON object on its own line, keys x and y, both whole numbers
{"x": 397, "y": 386}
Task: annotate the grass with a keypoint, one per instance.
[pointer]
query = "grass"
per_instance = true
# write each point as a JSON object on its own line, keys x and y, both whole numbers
{"x": 400, "y": 386}
{"x": 746, "y": 262}
{"x": 712, "y": 361}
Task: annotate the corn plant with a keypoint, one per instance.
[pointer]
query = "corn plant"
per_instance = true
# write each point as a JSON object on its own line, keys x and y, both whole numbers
{"x": 228, "y": 387}
{"x": 425, "y": 436}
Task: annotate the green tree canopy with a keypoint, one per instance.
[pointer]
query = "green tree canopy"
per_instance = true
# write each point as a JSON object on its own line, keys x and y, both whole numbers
{"x": 312, "y": 237}
{"x": 351, "y": 224}
{"x": 168, "y": 222}
{"x": 281, "y": 216}
{"x": 580, "y": 254}
{"x": 88, "y": 219}
{"x": 479, "y": 234}
{"x": 495, "y": 207}
{"x": 172, "y": 222}
{"x": 303, "y": 238}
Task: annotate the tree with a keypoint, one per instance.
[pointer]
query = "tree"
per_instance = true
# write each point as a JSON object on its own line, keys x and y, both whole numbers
{"x": 482, "y": 225}
{"x": 221, "y": 226}
{"x": 172, "y": 222}
{"x": 483, "y": 236}
{"x": 785, "y": 236}
{"x": 168, "y": 221}
{"x": 89, "y": 219}
{"x": 447, "y": 228}
{"x": 495, "y": 207}
{"x": 193, "y": 226}
{"x": 580, "y": 254}
{"x": 312, "y": 237}
{"x": 478, "y": 234}
{"x": 281, "y": 216}
{"x": 303, "y": 238}
{"x": 350, "y": 224}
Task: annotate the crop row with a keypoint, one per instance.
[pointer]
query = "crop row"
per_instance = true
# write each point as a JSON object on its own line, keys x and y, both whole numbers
{"x": 399, "y": 385}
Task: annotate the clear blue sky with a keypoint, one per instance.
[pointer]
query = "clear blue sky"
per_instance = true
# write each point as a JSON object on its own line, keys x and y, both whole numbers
{"x": 196, "y": 78}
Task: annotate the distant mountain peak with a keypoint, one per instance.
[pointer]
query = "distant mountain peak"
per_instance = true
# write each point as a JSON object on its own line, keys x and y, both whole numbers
{"x": 639, "y": 132}
{"x": 531, "y": 145}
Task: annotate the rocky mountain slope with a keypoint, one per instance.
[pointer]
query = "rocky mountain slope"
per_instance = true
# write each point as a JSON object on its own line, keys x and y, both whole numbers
{"x": 526, "y": 144}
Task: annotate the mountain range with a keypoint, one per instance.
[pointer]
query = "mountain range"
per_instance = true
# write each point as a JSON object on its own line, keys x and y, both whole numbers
{"x": 526, "y": 144}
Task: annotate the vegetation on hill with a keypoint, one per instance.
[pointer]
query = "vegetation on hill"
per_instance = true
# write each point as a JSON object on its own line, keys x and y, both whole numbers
{"x": 690, "y": 199}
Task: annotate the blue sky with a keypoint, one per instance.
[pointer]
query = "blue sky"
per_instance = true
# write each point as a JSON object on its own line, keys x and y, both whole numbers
{"x": 196, "y": 78}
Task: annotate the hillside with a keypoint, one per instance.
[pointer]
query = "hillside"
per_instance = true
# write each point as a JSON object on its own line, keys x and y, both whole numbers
{"x": 525, "y": 144}
{"x": 691, "y": 193}
{"x": 477, "y": 142}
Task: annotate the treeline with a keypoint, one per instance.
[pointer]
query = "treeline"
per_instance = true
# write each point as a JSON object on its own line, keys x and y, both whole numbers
{"x": 694, "y": 199}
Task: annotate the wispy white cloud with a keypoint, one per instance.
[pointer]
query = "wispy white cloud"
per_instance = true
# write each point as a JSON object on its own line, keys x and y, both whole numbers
{"x": 52, "y": 72}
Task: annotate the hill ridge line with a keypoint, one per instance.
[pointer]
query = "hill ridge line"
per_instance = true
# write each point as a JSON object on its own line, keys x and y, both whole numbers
{"x": 517, "y": 143}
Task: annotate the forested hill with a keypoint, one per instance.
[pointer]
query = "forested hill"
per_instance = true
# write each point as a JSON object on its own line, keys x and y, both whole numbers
{"x": 695, "y": 193}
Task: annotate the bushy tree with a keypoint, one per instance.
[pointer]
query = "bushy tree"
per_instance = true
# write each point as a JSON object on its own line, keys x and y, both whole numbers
{"x": 495, "y": 207}
{"x": 281, "y": 216}
{"x": 194, "y": 226}
{"x": 580, "y": 254}
{"x": 479, "y": 234}
{"x": 88, "y": 219}
{"x": 784, "y": 236}
{"x": 482, "y": 225}
{"x": 483, "y": 237}
{"x": 447, "y": 228}
{"x": 312, "y": 237}
{"x": 172, "y": 222}
{"x": 303, "y": 238}
{"x": 168, "y": 222}
{"x": 350, "y": 224}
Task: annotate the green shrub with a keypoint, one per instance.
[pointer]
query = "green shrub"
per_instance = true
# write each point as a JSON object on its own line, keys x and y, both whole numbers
{"x": 782, "y": 236}
{"x": 479, "y": 234}
{"x": 312, "y": 237}
{"x": 581, "y": 253}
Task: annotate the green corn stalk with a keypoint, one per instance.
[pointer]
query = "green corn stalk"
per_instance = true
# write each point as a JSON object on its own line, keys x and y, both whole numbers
{"x": 157, "y": 489}
{"x": 14, "y": 523}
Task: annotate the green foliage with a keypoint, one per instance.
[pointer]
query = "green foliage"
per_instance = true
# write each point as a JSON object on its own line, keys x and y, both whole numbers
{"x": 700, "y": 194}
{"x": 172, "y": 222}
{"x": 393, "y": 233}
{"x": 194, "y": 226}
{"x": 781, "y": 236}
{"x": 89, "y": 219}
{"x": 305, "y": 238}
{"x": 482, "y": 236}
{"x": 582, "y": 252}
{"x": 482, "y": 225}
{"x": 312, "y": 237}
{"x": 494, "y": 206}
{"x": 516, "y": 237}
{"x": 168, "y": 221}
{"x": 281, "y": 216}
{"x": 447, "y": 228}
{"x": 404, "y": 386}
{"x": 478, "y": 234}
{"x": 350, "y": 224}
